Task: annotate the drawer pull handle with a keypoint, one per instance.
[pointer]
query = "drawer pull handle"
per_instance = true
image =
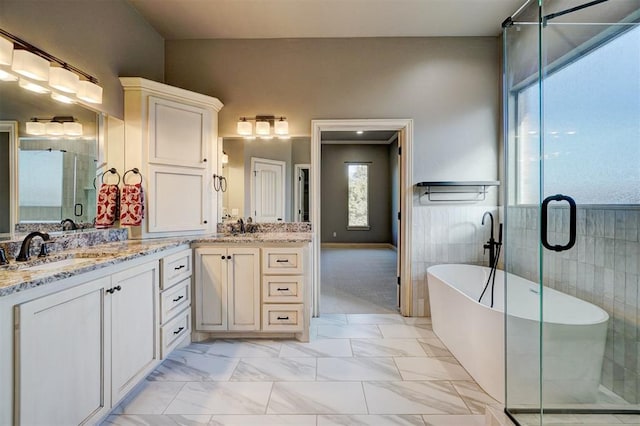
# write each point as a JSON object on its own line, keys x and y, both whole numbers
{"x": 178, "y": 298}
{"x": 113, "y": 289}
{"x": 282, "y": 261}
{"x": 179, "y": 330}
{"x": 283, "y": 318}
{"x": 177, "y": 268}
{"x": 283, "y": 289}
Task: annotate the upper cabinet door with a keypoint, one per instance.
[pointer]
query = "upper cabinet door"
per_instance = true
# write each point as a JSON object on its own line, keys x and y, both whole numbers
{"x": 179, "y": 134}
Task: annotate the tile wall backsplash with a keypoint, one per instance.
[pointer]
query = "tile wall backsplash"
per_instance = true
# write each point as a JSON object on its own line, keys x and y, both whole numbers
{"x": 446, "y": 234}
{"x": 602, "y": 268}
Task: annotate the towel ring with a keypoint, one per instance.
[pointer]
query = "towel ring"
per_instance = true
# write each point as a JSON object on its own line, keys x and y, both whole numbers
{"x": 219, "y": 183}
{"x": 113, "y": 171}
{"x": 134, "y": 171}
{"x": 94, "y": 179}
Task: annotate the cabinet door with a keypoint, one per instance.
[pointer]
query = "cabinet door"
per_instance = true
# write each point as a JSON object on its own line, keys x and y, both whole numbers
{"x": 244, "y": 288}
{"x": 178, "y": 133}
{"x": 134, "y": 303}
{"x": 60, "y": 356}
{"x": 210, "y": 297}
{"x": 177, "y": 199}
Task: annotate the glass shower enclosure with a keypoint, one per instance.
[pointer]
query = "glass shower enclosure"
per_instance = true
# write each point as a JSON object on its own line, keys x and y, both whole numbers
{"x": 571, "y": 84}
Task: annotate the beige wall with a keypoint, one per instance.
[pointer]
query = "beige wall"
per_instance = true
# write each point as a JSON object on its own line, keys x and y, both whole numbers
{"x": 449, "y": 86}
{"x": 105, "y": 38}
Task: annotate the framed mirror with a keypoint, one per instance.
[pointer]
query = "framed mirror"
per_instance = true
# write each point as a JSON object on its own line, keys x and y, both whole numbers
{"x": 44, "y": 178}
{"x": 267, "y": 180}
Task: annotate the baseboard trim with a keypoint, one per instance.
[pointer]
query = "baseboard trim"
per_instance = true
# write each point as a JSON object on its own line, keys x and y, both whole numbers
{"x": 359, "y": 245}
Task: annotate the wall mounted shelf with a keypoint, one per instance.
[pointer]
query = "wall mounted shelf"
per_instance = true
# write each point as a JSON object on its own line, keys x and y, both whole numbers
{"x": 448, "y": 190}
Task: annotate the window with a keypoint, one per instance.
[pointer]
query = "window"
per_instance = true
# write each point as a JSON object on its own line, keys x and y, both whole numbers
{"x": 358, "y": 196}
{"x": 591, "y": 146}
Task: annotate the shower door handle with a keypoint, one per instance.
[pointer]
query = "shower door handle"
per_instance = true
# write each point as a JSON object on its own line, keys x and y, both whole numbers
{"x": 572, "y": 222}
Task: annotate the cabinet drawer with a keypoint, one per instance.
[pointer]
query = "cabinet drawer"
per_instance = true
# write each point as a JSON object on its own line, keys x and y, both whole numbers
{"x": 282, "y": 289}
{"x": 282, "y": 261}
{"x": 172, "y": 333}
{"x": 175, "y": 300}
{"x": 282, "y": 317}
{"x": 175, "y": 268}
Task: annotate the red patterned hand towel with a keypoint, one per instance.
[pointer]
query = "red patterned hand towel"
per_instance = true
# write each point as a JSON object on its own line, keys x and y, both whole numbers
{"x": 131, "y": 205}
{"x": 108, "y": 198}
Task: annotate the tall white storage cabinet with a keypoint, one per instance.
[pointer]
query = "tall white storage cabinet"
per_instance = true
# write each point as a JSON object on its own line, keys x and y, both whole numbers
{"x": 171, "y": 137}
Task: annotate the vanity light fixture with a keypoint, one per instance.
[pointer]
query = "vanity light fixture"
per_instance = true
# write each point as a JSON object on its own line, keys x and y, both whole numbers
{"x": 33, "y": 87}
{"x": 53, "y": 128}
{"x": 263, "y": 127}
{"x": 62, "y": 98}
{"x": 56, "y": 126}
{"x": 6, "y": 51}
{"x": 63, "y": 80}
{"x": 30, "y": 65}
{"x": 7, "y": 76}
{"x": 35, "y": 127}
{"x": 42, "y": 72}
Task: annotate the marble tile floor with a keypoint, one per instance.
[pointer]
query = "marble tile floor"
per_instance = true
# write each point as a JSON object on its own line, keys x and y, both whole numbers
{"x": 362, "y": 369}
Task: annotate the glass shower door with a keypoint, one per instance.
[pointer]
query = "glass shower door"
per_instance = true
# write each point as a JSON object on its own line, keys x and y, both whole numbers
{"x": 572, "y": 110}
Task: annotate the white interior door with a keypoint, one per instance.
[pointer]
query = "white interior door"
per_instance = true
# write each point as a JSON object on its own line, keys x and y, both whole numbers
{"x": 267, "y": 190}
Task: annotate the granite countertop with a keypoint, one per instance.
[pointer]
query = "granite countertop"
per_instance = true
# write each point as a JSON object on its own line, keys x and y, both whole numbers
{"x": 18, "y": 276}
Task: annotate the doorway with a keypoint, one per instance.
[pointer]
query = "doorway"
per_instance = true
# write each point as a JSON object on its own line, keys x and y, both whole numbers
{"x": 301, "y": 192}
{"x": 404, "y": 127}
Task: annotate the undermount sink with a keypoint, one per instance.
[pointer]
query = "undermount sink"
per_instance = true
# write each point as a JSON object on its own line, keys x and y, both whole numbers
{"x": 57, "y": 264}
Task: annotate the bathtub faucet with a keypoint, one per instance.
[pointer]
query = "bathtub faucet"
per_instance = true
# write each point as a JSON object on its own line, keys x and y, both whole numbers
{"x": 492, "y": 244}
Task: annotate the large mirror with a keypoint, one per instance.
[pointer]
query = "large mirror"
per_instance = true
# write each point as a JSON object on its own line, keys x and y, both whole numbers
{"x": 44, "y": 179}
{"x": 267, "y": 180}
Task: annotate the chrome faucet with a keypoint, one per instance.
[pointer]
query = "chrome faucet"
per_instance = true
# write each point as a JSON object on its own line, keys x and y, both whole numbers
{"x": 241, "y": 223}
{"x": 491, "y": 244}
{"x": 26, "y": 245}
{"x": 71, "y": 223}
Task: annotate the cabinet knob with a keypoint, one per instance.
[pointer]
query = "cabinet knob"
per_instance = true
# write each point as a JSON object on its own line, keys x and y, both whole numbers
{"x": 178, "y": 330}
{"x": 178, "y": 298}
{"x": 177, "y": 268}
{"x": 205, "y": 222}
{"x": 283, "y": 318}
{"x": 283, "y": 289}
{"x": 204, "y": 160}
{"x": 223, "y": 257}
{"x": 118, "y": 288}
{"x": 282, "y": 261}
{"x": 110, "y": 290}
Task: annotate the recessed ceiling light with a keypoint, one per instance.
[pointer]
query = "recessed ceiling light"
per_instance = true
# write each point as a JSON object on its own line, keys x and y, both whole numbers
{"x": 359, "y": 132}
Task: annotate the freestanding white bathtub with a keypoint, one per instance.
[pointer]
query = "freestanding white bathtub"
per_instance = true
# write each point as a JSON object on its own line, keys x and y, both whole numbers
{"x": 574, "y": 334}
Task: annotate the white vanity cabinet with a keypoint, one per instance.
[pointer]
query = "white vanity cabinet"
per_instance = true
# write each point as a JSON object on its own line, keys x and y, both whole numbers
{"x": 82, "y": 349}
{"x": 73, "y": 348}
{"x": 175, "y": 300}
{"x": 61, "y": 351}
{"x": 134, "y": 307}
{"x": 251, "y": 291}
{"x": 282, "y": 289}
{"x": 171, "y": 137}
{"x": 227, "y": 288}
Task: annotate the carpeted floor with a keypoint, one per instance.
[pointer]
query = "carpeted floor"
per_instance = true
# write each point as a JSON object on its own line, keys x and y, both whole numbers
{"x": 358, "y": 281}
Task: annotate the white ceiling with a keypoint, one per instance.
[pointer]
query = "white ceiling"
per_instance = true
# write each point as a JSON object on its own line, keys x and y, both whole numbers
{"x": 210, "y": 19}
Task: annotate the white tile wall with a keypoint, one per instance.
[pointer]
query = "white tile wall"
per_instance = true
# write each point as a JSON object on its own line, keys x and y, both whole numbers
{"x": 449, "y": 233}
{"x": 602, "y": 268}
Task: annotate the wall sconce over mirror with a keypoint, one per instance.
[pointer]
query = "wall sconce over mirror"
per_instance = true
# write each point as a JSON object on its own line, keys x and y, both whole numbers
{"x": 264, "y": 123}
{"x": 56, "y": 126}
{"x": 41, "y": 72}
